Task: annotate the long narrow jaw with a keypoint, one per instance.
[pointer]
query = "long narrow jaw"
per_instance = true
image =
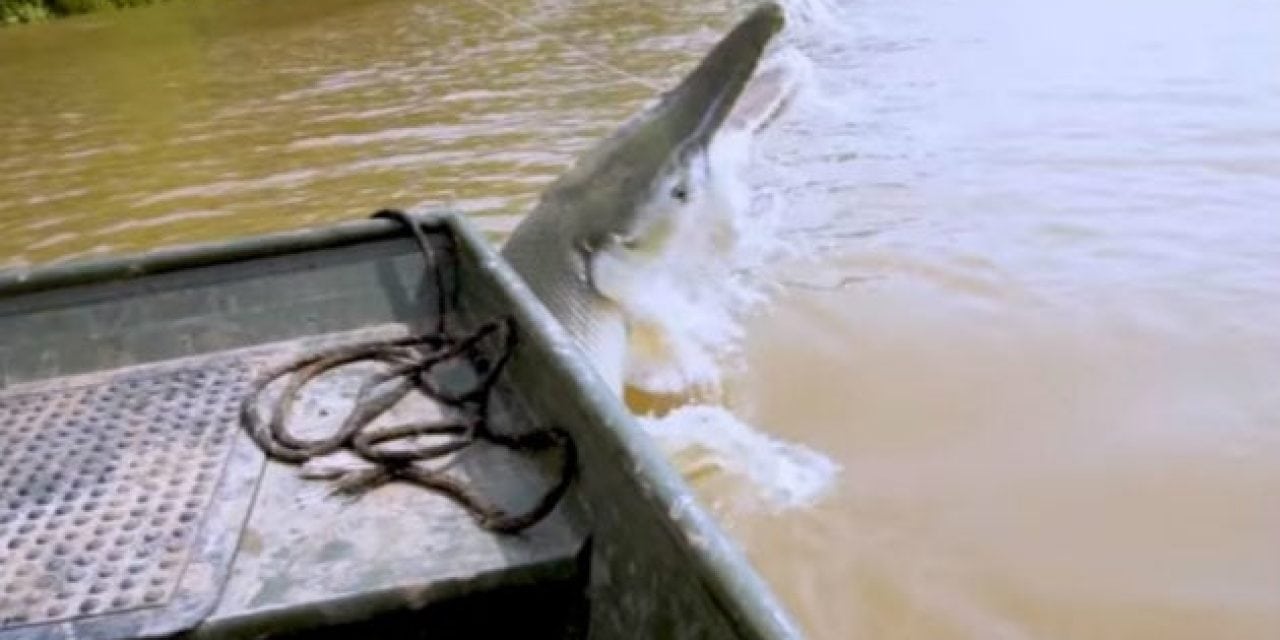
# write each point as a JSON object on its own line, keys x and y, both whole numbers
{"x": 690, "y": 115}
{"x": 622, "y": 168}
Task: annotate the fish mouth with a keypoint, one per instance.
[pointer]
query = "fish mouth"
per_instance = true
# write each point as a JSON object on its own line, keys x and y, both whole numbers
{"x": 621, "y": 168}
{"x": 667, "y": 140}
{"x": 695, "y": 109}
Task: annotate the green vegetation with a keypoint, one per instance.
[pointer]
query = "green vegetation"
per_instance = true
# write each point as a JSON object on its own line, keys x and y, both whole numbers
{"x": 15, "y": 11}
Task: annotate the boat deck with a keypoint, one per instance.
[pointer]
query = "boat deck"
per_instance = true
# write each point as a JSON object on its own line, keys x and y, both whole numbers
{"x": 134, "y": 504}
{"x": 307, "y": 554}
{"x": 245, "y": 546}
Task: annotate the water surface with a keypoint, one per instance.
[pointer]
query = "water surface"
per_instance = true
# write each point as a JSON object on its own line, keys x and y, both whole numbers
{"x": 1031, "y": 311}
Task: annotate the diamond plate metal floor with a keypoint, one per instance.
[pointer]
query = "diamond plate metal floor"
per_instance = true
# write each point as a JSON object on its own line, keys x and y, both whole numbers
{"x": 122, "y": 496}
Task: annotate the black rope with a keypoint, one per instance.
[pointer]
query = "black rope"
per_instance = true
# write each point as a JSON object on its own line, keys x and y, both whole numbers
{"x": 408, "y": 364}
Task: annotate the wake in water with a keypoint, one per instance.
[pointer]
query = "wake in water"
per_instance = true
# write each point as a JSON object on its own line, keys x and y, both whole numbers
{"x": 707, "y": 439}
{"x": 686, "y": 318}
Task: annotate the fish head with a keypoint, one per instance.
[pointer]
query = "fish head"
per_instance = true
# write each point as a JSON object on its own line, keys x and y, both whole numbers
{"x": 635, "y": 197}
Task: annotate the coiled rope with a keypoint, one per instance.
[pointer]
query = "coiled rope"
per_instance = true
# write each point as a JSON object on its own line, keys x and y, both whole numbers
{"x": 408, "y": 363}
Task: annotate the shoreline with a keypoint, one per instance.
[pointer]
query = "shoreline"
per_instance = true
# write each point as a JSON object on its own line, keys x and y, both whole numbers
{"x": 15, "y": 12}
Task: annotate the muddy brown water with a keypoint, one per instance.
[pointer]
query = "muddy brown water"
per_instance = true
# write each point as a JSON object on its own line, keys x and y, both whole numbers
{"x": 1038, "y": 326}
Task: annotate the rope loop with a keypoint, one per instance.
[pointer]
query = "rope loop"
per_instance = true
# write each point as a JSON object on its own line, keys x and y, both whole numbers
{"x": 409, "y": 363}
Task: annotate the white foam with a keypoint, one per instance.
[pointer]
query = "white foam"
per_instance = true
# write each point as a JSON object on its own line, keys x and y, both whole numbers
{"x": 688, "y": 309}
{"x": 687, "y": 317}
{"x": 815, "y": 20}
{"x": 781, "y": 475}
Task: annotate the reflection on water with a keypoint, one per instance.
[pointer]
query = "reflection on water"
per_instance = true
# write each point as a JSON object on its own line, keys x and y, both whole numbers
{"x": 1032, "y": 314}
{"x": 207, "y": 119}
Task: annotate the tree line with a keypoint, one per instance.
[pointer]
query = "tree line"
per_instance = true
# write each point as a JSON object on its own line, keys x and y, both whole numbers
{"x": 15, "y": 11}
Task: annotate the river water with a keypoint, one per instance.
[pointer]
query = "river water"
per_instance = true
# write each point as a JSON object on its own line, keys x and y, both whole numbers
{"x": 1018, "y": 371}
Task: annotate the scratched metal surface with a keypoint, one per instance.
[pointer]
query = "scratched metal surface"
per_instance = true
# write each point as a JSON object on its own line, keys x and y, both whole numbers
{"x": 309, "y": 558}
{"x": 124, "y": 495}
{"x": 305, "y": 558}
{"x": 658, "y": 564}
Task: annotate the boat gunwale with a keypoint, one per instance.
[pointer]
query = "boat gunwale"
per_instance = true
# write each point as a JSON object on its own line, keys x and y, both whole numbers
{"x": 87, "y": 271}
{"x": 717, "y": 560}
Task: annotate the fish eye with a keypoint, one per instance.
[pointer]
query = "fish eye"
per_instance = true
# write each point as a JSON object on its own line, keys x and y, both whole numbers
{"x": 680, "y": 192}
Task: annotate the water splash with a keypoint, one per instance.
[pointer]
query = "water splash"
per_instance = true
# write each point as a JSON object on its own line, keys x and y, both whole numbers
{"x": 686, "y": 313}
{"x": 709, "y": 439}
{"x": 686, "y": 319}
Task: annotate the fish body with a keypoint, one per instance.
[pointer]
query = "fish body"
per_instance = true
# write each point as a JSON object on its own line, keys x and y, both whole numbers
{"x": 648, "y": 191}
